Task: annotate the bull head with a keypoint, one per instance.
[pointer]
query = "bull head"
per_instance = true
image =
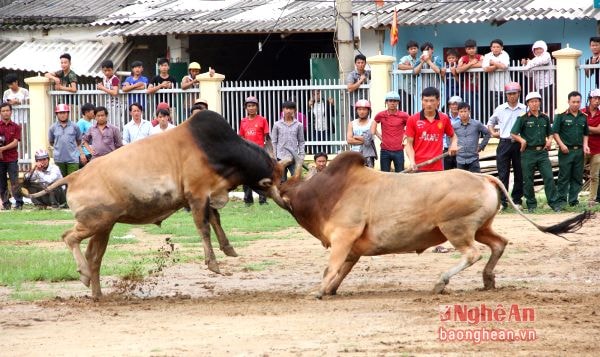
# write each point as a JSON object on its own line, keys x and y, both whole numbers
{"x": 273, "y": 190}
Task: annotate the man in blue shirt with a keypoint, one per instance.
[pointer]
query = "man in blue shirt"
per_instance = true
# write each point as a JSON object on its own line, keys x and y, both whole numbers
{"x": 468, "y": 131}
{"x": 136, "y": 82}
{"x": 65, "y": 137}
{"x": 85, "y": 123}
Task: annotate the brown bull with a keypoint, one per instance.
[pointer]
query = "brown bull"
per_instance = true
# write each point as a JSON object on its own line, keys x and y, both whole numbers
{"x": 359, "y": 211}
{"x": 148, "y": 180}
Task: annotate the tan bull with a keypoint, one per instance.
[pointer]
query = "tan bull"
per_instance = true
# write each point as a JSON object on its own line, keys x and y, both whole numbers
{"x": 148, "y": 180}
{"x": 359, "y": 211}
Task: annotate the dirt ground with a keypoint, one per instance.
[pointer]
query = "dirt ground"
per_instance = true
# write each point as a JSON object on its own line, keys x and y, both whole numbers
{"x": 264, "y": 306}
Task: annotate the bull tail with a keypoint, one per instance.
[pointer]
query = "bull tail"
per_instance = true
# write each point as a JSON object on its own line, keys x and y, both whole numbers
{"x": 569, "y": 225}
{"x": 48, "y": 189}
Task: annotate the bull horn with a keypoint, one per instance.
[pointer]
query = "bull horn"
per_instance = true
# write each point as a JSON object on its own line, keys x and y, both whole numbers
{"x": 266, "y": 182}
{"x": 269, "y": 149}
{"x": 298, "y": 171}
{"x": 276, "y": 196}
{"x": 285, "y": 162}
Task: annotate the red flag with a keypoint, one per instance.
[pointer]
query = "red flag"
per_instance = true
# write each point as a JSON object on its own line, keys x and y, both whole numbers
{"x": 394, "y": 29}
{"x": 379, "y": 3}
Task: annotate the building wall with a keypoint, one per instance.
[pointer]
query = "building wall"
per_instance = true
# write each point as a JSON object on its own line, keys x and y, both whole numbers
{"x": 574, "y": 33}
{"x": 371, "y": 42}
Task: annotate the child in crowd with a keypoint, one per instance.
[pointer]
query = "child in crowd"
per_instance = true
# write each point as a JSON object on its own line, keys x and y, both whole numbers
{"x": 358, "y": 134}
{"x": 110, "y": 85}
{"x": 164, "y": 118}
{"x": 470, "y": 60}
{"x": 452, "y": 80}
{"x": 136, "y": 82}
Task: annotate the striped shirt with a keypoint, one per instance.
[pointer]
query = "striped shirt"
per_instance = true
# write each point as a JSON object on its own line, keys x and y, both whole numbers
{"x": 288, "y": 135}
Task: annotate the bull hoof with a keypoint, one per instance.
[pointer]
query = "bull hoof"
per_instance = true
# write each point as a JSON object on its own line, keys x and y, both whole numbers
{"x": 84, "y": 279}
{"x": 319, "y": 296}
{"x": 489, "y": 282}
{"x": 229, "y": 251}
{"x": 439, "y": 288}
{"x": 214, "y": 267}
{"x": 489, "y": 285}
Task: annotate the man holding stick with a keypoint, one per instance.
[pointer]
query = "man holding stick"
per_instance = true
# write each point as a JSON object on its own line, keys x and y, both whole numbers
{"x": 425, "y": 133}
{"x": 425, "y": 137}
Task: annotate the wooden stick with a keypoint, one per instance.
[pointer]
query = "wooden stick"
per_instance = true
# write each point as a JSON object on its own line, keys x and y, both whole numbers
{"x": 430, "y": 161}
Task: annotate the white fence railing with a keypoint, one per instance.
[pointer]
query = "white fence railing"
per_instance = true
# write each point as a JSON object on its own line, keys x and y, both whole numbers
{"x": 20, "y": 115}
{"x": 589, "y": 78}
{"x": 325, "y": 120}
{"x": 323, "y": 106}
{"x": 180, "y": 101}
{"x": 483, "y": 91}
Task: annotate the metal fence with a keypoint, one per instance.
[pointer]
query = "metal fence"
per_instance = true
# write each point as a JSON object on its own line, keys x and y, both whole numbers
{"x": 20, "y": 115}
{"x": 483, "y": 91}
{"x": 324, "y": 107}
{"x": 589, "y": 78}
{"x": 180, "y": 101}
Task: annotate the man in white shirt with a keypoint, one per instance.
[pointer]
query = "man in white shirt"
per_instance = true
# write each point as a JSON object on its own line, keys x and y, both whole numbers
{"x": 41, "y": 176}
{"x": 508, "y": 152}
{"x": 496, "y": 65}
{"x": 137, "y": 128}
{"x": 163, "y": 125}
{"x": 14, "y": 95}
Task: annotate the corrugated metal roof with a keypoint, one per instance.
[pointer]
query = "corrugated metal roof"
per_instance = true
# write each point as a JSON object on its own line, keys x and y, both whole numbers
{"x": 6, "y": 47}
{"x": 28, "y": 12}
{"x": 42, "y": 56}
{"x": 159, "y": 17}
{"x": 480, "y": 11}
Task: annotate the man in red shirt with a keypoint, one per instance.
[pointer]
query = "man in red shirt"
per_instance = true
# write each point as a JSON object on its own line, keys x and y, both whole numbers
{"x": 392, "y": 122}
{"x": 593, "y": 120}
{"x": 425, "y": 136}
{"x": 10, "y": 135}
{"x": 471, "y": 60}
{"x": 255, "y": 129}
{"x": 425, "y": 133}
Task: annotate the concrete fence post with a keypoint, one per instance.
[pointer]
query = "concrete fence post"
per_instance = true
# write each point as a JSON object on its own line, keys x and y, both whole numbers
{"x": 40, "y": 115}
{"x": 210, "y": 89}
{"x": 567, "y": 75}
{"x": 381, "y": 83}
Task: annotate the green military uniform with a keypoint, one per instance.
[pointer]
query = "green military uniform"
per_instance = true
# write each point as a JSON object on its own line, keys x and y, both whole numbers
{"x": 571, "y": 129}
{"x": 535, "y": 130}
{"x": 67, "y": 79}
